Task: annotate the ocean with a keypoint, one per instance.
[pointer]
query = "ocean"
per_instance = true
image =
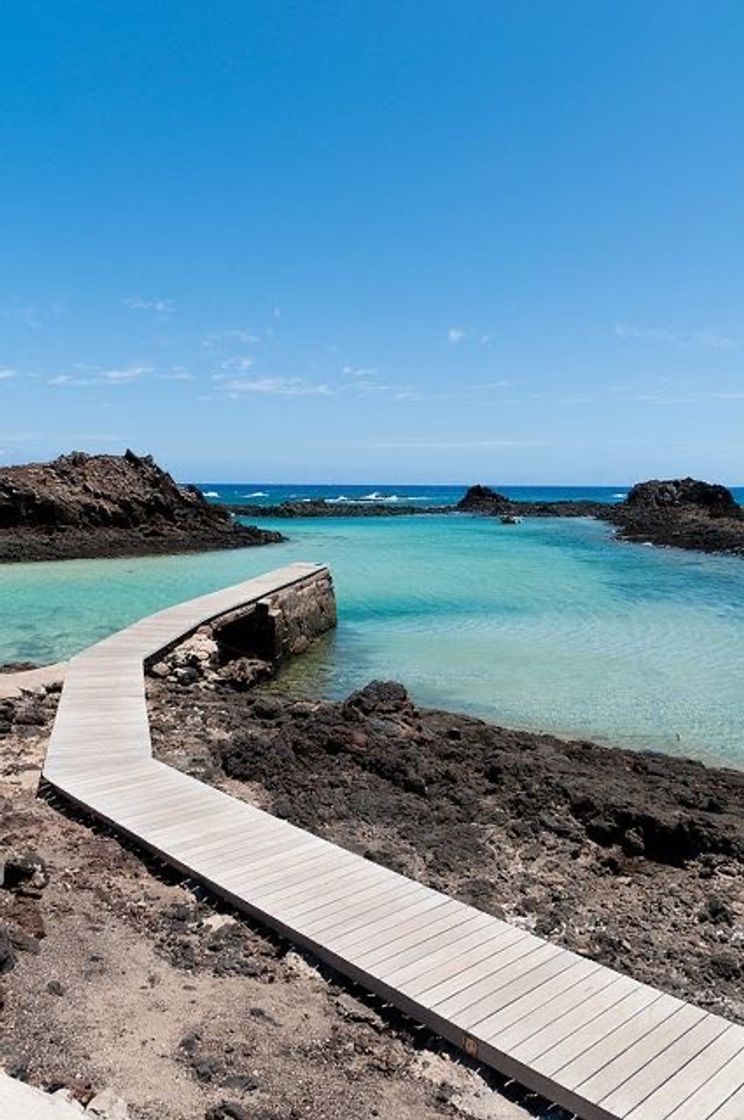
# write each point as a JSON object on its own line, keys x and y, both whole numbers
{"x": 550, "y": 624}
{"x": 268, "y": 494}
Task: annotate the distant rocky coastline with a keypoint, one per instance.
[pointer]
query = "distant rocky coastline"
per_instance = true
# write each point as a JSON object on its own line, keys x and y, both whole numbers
{"x": 320, "y": 507}
{"x": 89, "y": 506}
{"x": 481, "y": 499}
{"x": 680, "y": 513}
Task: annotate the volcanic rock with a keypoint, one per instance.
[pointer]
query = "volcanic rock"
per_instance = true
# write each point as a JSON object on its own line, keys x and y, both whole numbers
{"x": 109, "y": 505}
{"x": 482, "y": 499}
{"x": 683, "y": 512}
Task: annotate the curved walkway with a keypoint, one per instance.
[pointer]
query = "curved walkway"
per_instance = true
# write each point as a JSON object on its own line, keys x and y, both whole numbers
{"x": 599, "y": 1043}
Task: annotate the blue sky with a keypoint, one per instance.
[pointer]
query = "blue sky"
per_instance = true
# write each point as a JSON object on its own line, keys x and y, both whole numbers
{"x": 375, "y": 241}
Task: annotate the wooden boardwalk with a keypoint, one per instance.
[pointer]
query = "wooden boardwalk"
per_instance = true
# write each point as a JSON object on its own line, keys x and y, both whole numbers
{"x": 599, "y": 1043}
{"x": 19, "y": 1101}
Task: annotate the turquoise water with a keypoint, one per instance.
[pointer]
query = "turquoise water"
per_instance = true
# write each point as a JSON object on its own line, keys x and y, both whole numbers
{"x": 547, "y": 624}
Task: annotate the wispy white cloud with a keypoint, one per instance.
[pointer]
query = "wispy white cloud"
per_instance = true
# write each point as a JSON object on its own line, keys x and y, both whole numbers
{"x": 68, "y": 379}
{"x": 18, "y": 437}
{"x": 178, "y": 373}
{"x": 161, "y": 307}
{"x": 691, "y": 398}
{"x": 459, "y": 334}
{"x": 240, "y": 364}
{"x": 658, "y": 334}
{"x": 236, "y": 334}
{"x": 274, "y": 386}
{"x": 707, "y": 337}
{"x": 360, "y": 371}
{"x": 10, "y": 442}
{"x": 26, "y": 316}
{"x": 129, "y": 373}
{"x": 455, "y": 445}
{"x": 715, "y": 339}
{"x": 364, "y": 385}
{"x": 122, "y": 376}
{"x": 6, "y": 374}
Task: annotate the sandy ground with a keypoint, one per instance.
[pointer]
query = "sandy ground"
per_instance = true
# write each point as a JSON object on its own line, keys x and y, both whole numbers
{"x": 116, "y": 975}
{"x": 113, "y": 973}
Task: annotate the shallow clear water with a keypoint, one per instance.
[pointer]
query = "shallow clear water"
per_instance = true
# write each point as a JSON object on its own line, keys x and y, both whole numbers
{"x": 547, "y": 624}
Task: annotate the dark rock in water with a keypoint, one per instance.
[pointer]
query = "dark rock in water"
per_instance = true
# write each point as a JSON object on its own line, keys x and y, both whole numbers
{"x": 482, "y": 499}
{"x": 378, "y": 696}
{"x": 682, "y": 512}
{"x": 109, "y": 505}
{"x": 680, "y": 493}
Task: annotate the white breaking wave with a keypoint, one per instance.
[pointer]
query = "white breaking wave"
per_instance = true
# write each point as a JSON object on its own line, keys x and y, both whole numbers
{"x": 256, "y": 494}
{"x": 211, "y": 494}
{"x": 623, "y": 495}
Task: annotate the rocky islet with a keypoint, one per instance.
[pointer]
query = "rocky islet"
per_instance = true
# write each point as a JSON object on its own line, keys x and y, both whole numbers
{"x": 87, "y": 506}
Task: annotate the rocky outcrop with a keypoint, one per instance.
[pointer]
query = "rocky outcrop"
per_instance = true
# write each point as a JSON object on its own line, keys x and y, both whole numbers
{"x": 109, "y": 505}
{"x": 484, "y": 500}
{"x": 682, "y": 512}
{"x": 683, "y": 494}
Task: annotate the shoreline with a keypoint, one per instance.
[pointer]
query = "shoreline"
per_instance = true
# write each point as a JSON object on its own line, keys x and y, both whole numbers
{"x": 29, "y": 546}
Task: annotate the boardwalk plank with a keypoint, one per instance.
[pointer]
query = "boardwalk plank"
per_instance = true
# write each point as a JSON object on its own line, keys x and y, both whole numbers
{"x": 668, "y": 1094}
